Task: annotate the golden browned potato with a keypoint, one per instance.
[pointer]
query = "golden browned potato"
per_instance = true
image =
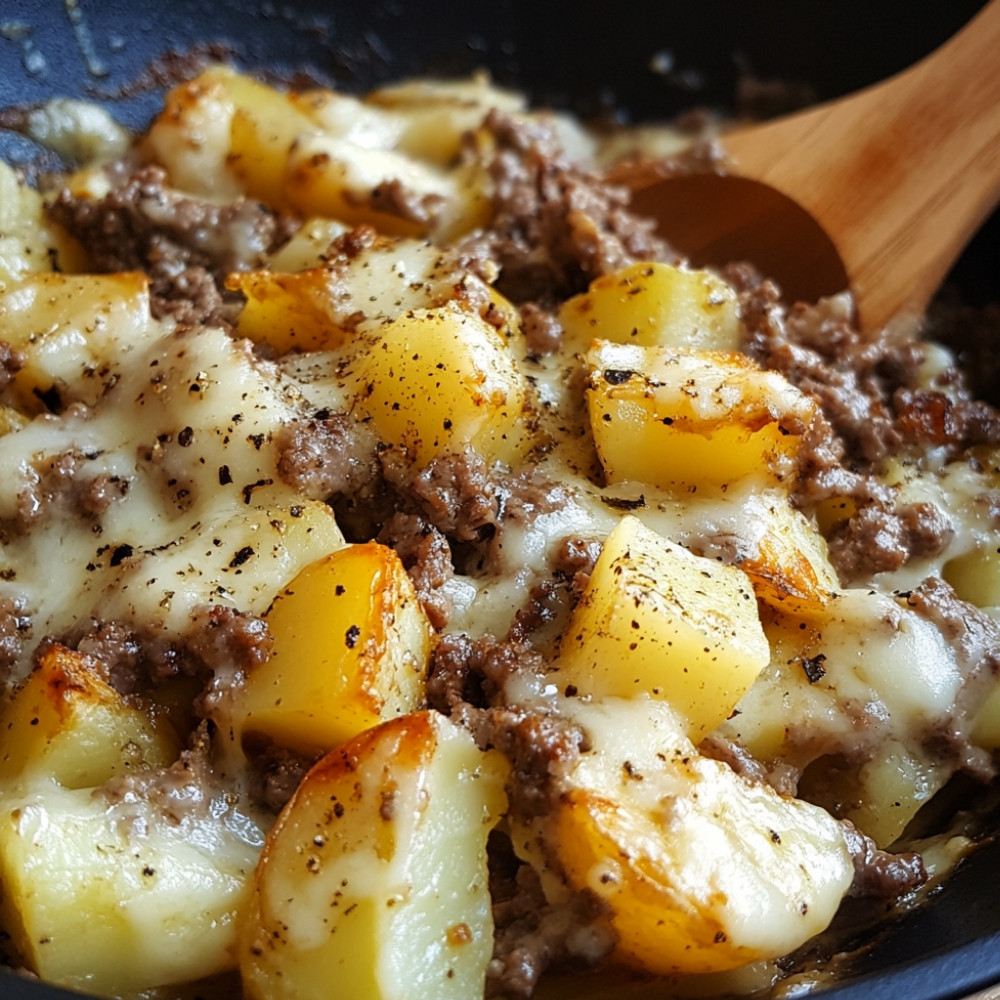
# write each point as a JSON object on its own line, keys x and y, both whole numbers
{"x": 692, "y": 420}
{"x": 374, "y": 879}
{"x": 702, "y": 870}
{"x": 351, "y": 647}
{"x": 656, "y": 621}
{"x": 65, "y": 723}
{"x": 441, "y": 380}
{"x": 651, "y": 304}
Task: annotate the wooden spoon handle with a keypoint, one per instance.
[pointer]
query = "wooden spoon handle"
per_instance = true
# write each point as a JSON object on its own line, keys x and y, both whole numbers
{"x": 899, "y": 175}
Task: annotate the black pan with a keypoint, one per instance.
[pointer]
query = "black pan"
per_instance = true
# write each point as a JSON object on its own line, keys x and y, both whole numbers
{"x": 648, "y": 57}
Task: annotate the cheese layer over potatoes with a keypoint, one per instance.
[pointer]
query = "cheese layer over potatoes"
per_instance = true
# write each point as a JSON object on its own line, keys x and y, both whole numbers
{"x": 415, "y": 577}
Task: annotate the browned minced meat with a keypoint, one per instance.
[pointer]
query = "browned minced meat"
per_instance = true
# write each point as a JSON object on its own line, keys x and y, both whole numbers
{"x": 393, "y": 197}
{"x": 62, "y": 482}
{"x": 574, "y": 560}
{"x": 865, "y": 383}
{"x": 881, "y": 538}
{"x": 186, "y": 246}
{"x": 542, "y": 330}
{"x": 117, "y": 654}
{"x": 556, "y": 227}
{"x": 11, "y": 362}
{"x": 468, "y": 500}
{"x": 427, "y": 557}
{"x": 466, "y": 680}
{"x": 221, "y": 646}
{"x": 325, "y": 455}
{"x": 878, "y": 873}
{"x": 275, "y": 773}
{"x": 975, "y": 636}
{"x": 872, "y": 408}
{"x": 179, "y": 792}
{"x": 540, "y": 609}
{"x": 15, "y": 628}
{"x": 532, "y": 935}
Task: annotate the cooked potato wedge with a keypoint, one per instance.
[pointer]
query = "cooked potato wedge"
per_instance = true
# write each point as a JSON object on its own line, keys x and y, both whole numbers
{"x": 702, "y": 870}
{"x": 67, "y": 326}
{"x": 692, "y": 420}
{"x": 114, "y": 901}
{"x": 651, "y": 304}
{"x": 441, "y": 380}
{"x": 351, "y": 647}
{"x": 374, "y": 877}
{"x": 192, "y": 136}
{"x": 785, "y": 555}
{"x": 65, "y": 723}
{"x": 656, "y": 621}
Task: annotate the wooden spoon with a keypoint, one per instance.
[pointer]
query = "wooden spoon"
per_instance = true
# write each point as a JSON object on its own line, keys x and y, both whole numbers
{"x": 878, "y": 191}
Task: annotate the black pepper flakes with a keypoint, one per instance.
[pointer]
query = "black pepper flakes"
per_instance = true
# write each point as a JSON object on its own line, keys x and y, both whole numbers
{"x": 813, "y": 667}
{"x": 120, "y": 554}
{"x": 185, "y": 436}
{"x": 225, "y": 476}
{"x": 351, "y": 636}
{"x": 241, "y": 556}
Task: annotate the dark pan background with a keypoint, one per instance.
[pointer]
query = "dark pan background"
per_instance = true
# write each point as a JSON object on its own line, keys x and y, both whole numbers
{"x": 591, "y": 56}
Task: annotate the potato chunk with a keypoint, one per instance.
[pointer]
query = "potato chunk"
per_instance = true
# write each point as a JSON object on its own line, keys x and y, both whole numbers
{"x": 652, "y": 304}
{"x": 692, "y": 420}
{"x": 374, "y": 877}
{"x": 67, "y": 327}
{"x": 65, "y": 723}
{"x": 331, "y": 176}
{"x": 784, "y": 555}
{"x": 192, "y": 136}
{"x": 327, "y": 306}
{"x": 656, "y": 621}
{"x": 113, "y": 900}
{"x": 702, "y": 870}
{"x": 28, "y": 242}
{"x": 441, "y": 380}
{"x": 351, "y": 647}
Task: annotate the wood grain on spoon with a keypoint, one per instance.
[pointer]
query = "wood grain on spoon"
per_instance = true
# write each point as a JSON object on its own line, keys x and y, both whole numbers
{"x": 879, "y": 191}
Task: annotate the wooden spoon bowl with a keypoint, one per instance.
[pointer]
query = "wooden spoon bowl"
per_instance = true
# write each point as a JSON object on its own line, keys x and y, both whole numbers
{"x": 879, "y": 191}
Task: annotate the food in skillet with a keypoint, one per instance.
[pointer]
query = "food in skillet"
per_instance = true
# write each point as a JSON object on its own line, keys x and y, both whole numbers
{"x": 418, "y": 582}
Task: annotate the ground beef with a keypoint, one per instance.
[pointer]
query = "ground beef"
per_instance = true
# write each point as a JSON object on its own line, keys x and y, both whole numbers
{"x": 532, "y": 935}
{"x": 393, "y": 197}
{"x": 11, "y": 362}
{"x": 469, "y": 501}
{"x": 117, "y": 654}
{"x": 466, "y": 681}
{"x": 458, "y": 493}
{"x": 275, "y": 773}
{"x": 542, "y": 330}
{"x": 881, "y": 538}
{"x": 186, "y": 246}
{"x": 326, "y": 455}
{"x": 62, "y": 482}
{"x": 879, "y": 874}
{"x": 556, "y": 227}
{"x": 975, "y": 636}
{"x": 574, "y": 559}
{"x": 15, "y": 627}
{"x": 541, "y": 609}
{"x": 427, "y": 557}
{"x": 180, "y": 792}
{"x": 221, "y": 647}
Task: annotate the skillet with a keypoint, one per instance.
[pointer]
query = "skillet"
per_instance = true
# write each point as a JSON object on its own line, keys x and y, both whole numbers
{"x": 647, "y": 58}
